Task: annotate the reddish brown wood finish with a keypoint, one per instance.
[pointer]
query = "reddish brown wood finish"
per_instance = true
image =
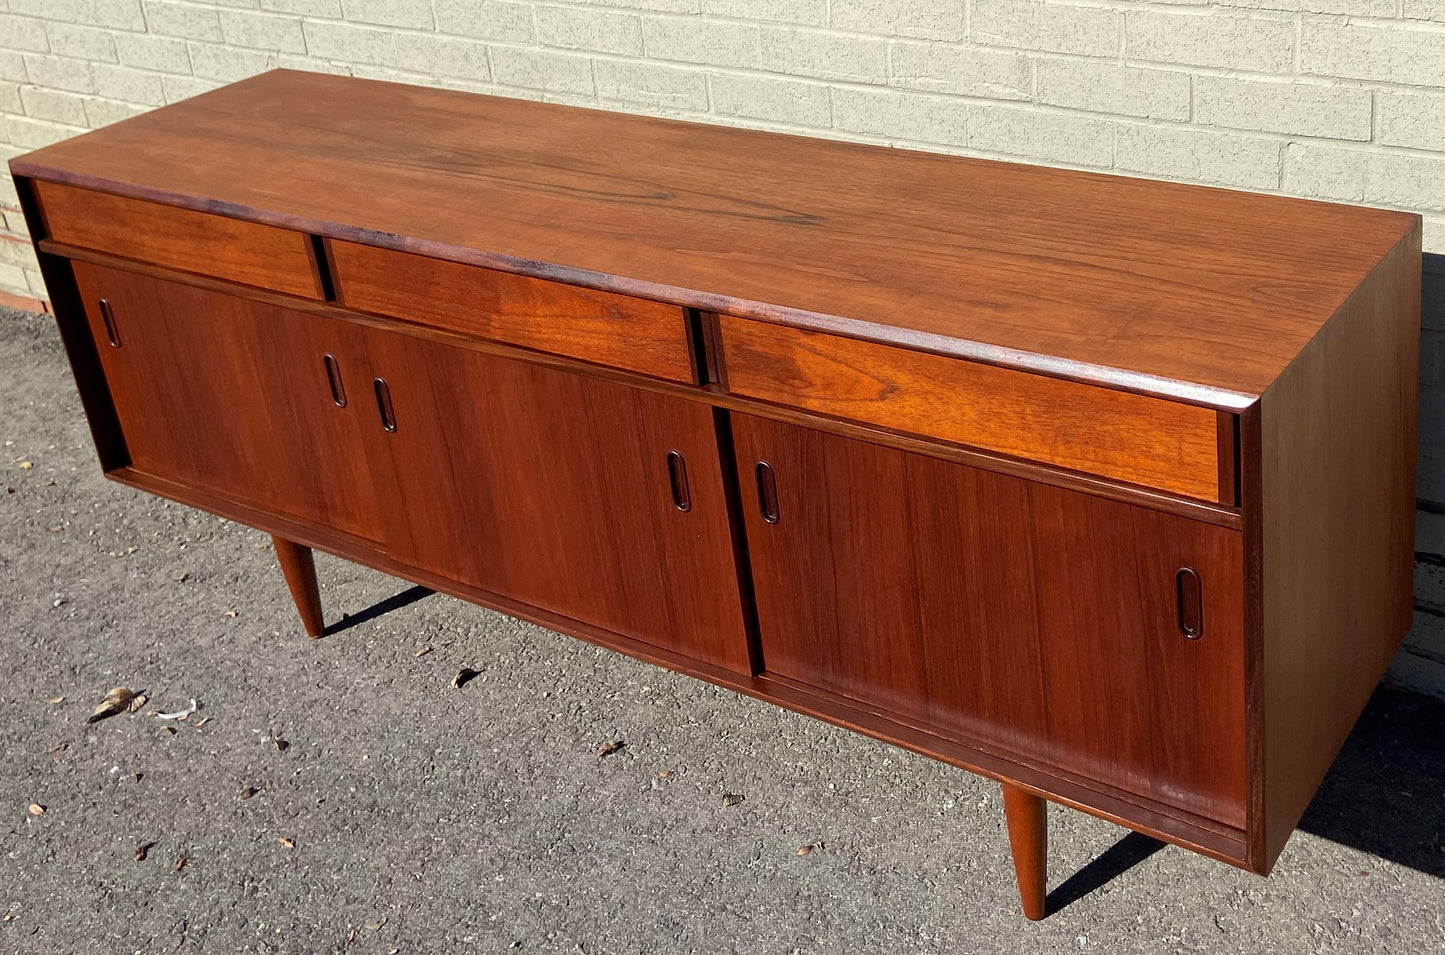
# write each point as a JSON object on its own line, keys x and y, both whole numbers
{"x": 179, "y": 238}
{"x": 553, "y": 489}
{"x": 1337, "y": 482}
{"x": 601, "y": 327}
{"x": 232, "y": 396}
{"x": 1028, "y": 836}
{"x": 1203, "y": 294}
{"x": 299, "y": 569}
{"x": 1029, "y": 618}
{"x": 1160, "y": 444}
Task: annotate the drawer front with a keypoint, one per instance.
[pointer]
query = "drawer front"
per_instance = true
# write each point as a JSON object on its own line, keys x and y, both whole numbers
{"x": 182, "y": 239}
{"x": 1152, "y": 442}
{"x": 600, "y": 327}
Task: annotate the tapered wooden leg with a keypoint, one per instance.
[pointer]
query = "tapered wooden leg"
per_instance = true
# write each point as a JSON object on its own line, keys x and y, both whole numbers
{"x": 1028, "y": 835}
{"x": 300, "y": 571}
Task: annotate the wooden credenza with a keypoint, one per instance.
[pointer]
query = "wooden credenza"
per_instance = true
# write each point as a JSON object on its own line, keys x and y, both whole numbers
{"x": 1099, "y": 487}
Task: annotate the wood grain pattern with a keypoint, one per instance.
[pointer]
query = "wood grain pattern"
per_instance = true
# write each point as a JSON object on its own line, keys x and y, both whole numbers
{"x": 1203, "y": 294}
{"x": 1158, "y": 820}
{"x": 231, "y": 395}
{"x": 1134, "y": 438}
{"x": 553, "y": 489}
{"x": 1033, "y": 619}
{"x": 601, "y": 327}
{"x": 1338, "y": 478}
{"x": 299, "y": 569}
{"x": 1028, "y": 836}
{"x": 180, "y": 238}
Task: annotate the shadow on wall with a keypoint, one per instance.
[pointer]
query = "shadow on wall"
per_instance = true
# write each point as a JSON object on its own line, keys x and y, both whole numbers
{"x": 1421, "y": 664}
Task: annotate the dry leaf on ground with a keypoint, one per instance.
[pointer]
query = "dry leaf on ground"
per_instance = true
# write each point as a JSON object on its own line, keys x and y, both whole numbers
{"x": 664, "y": 774}
{"x": 464, "y": 676}
{"x": 809, "y": 849}
{"x": 181, "y": 578}
{"x": 118, "y": 700}
{"x": 288, "y": 843}
{"x": 26, "y": 465}
{"x": 55, "y": 528}
{"x": 181, "y": 863}
{"x": 280, "y": 744}
{"x": 732, "y": 799}
{"x": 178, "y": 714}
{"x": 55, "y": 700}
{"x": 143, "y": 850}
{"x": 36, "y": 809}
{"x": 423, "y": 651}
{"x": 375, "y": 926}
{"x": 247, "y": 793}
{"x": 232, "y": 614}
{"x": 610, "y": 747}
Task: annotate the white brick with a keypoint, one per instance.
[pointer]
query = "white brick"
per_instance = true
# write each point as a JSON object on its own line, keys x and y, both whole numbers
{"x": 263, "y": 31}
{"x": 211, "y": 61}
{"x": 1334, "y": 112}
{"x": 183, "y": 20}
{"x": 1110, "y": 88}
{"x": 660, "y": 6}
{"x": 54, "y": 105}
{"x": 1425, "y": 9}
{"x": 1370, "y": 52}
{"x": 924, "y": 19}
{"x": 595, "y": 30}
{"x": 542, "y": 70}
{"x": 342, "y": 41}
{"x": 145, "y": 52}
{"x": 771, "y": 99}
{"x": 1052, "y": 27}
{"x": 114, "y": 14}
{"x": 825, "y": 55}
{"x": 103, "y": 112}
{"x": 12, "y": 279}
{"x": 1211, "y": 39}
{"x": 415, "y": 14}
{"x": 310, "y": 8}
{"x": 128, "y": 85}
{"x": 1412, "y": 119}
{"x": 311, "y": 64}
{"x": 1370, "y": 177}
{"x": 1225, "y": 159}
{"x": 1047, "y": 136}
{"x": 896, "y": 115}
{"x": 966, "y": 70}
{"x": 10, "y": 101}
{"x": 12, "y": 66}
{"x": 59, "y": 73}
{"x": 807, "y": 12}
{"x": 703, "y": 41}
{"x": 442, "y": 56}
{"x": 178, "y": 88}
{"x": 83, "y": 43}
{"x": 28, "y": 133}
{"x": 23, "y": 33}
{"x": 653, "y": 84}
{"x": 485, "y": 19}
{"x": 1357, "y": 8}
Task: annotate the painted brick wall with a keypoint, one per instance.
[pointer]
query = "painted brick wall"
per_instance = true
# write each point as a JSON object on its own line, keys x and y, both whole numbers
{"x": 1336, "y": 99}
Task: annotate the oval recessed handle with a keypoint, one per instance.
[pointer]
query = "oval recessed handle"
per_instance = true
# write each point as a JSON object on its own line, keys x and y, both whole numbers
{"x": 383, "y": 404}
{"x": 677, "y": 477}
{"x": 333, "y": 378}
{"x": 107, "y": 318}
{"x": 767, "y": 492}
{"x": 1190, "y": 596}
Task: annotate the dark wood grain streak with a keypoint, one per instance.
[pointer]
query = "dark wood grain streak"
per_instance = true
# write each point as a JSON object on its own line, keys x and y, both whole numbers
{"x": 1338, "y": 477}
{"x": 1199, "y": 510}
{"x": 1143, "y": 285}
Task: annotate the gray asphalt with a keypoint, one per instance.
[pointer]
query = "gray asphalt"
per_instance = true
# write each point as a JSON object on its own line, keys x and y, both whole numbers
{"x": 424, "y": 818}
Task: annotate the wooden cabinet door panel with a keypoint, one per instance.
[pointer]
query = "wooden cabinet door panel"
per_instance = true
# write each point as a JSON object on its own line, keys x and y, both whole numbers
{"x": 1022, "y": 616}
{"x": 555, "y": 489}
{"x": 232, "y": 396}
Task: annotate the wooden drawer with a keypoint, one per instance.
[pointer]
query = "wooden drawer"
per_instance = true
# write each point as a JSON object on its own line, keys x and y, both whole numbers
{"x": 1153, "y": 442}
{"x": 600, "y": 327}
{"x": 183, "y": 239}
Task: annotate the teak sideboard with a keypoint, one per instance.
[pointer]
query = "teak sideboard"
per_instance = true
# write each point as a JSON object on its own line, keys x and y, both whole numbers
{"x": 1099, "y": 487}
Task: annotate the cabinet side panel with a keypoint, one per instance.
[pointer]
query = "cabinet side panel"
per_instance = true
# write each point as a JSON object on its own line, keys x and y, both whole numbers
{"x": 1338, "y": 476}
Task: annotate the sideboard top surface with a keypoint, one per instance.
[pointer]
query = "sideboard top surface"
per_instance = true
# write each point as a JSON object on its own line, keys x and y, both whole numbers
{"x": 1204, "y": 294}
